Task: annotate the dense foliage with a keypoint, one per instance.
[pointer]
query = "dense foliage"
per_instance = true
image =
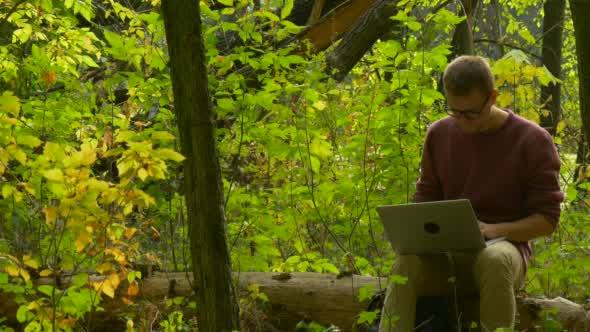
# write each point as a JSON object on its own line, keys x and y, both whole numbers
{"x": 91, "y": 182}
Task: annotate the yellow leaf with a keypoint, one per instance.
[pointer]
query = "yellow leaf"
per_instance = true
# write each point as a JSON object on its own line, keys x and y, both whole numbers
{"x": 7, "y": 120}
{"x": 20, "y": 156}
{"x": 12, "y": 270}
{"x": 104, "y": 267}
{"x": 108, "y": 289}
{"x": 30, "y": 262}
{"x": 25, "y": 274}
{"x": 128, "y": 209}
{"x": 117, "y": 254}
{"x": 50, "y": 215}
{"x": 33, "y": 305}
{"x": 45, "y": 273}
{"x": 28, "y": 140}
{"x": 142, "y": 173}
{"x": 114, "y": 280}
{"x": 53, "y": 151}
{"x": 133, "y": 289}
{"x": 129, "y": 231}
{"x": 82, "y": 241}
{"x": 9, "y": 103}
{"x": 54, "y": 175}
{"x": 7, "y": 190}
{"x": 319, "y": 105}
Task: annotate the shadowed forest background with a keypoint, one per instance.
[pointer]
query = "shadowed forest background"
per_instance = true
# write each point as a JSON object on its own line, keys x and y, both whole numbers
{"x": 319, "y": 110}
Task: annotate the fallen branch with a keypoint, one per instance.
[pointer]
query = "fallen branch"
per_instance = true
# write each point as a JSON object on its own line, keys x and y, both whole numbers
{"x": 324, "y": 298}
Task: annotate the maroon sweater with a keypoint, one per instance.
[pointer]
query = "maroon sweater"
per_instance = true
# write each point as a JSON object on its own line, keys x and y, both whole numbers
{"x": 507, "y": 174}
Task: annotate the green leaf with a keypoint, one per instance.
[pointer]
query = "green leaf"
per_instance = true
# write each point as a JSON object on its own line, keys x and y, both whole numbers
{"x": 162, "y": 136}
{"x": 226, "y": 2}
{"x": 80, "y": 279}
{"x": 413, "y": 25}
{"x": 46, "y": 289}
{"x": 315, "y": 164}
{"x": 367, "y": 317}
{"x": 33, "y": 326}
{"x": 397, "y": 279}
{"x": 23, "y": 34}
{"x": 9, "y": 103}
{"x": 21, "y": 313}
{"x": 88, "y": 61}
{"x": 28, "y": 140}
{"x": 68, "y": 3}
{"x": 225, "y": 104}
{"x": 113, "y": 38}
{"x": 287, "y": 9}
{"x": 169, "y": 154}
{"x": 366, "y": 292}
{"x": 7, "y": 190}
{"x": 3, "y": 278}
{"x": 47, "y": 5}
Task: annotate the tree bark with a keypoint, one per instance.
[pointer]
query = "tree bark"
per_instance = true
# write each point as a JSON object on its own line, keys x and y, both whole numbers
{"x": 216, "y": 300}
{"x": 551, "y": 54}
{"x": 334, "y": 24}
{"x": 320, "y": 297}
{"x": 356, "y": 42}
{"x": 580, "y": 13}
{"x": 316, "y": 11}
{"x": 462, "y": 42}
{"x": 302, "y": 10}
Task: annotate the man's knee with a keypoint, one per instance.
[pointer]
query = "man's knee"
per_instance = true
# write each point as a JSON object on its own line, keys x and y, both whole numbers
{"x": 407, "y": 265}
{"x": 499, "y": 260}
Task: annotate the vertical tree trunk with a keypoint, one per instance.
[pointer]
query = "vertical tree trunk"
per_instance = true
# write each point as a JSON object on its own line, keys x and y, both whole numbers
{"x": 217, "y": 306}
{"x": 462, "y": 43}
{"x": 580, "y": 10}
{"x": 580, "y": 13}
{"x": 551, "y": 55}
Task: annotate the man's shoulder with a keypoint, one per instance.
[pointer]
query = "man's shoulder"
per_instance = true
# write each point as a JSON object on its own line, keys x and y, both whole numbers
{"x": 440, "y": 126}
{"x": 529, "y": 130}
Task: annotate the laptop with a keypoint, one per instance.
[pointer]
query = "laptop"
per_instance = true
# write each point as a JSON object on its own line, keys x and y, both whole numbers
{"x": 433, "y": 227}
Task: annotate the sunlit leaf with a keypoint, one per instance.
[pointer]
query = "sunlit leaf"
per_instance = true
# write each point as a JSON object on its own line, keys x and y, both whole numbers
{"x": 28, "y": 140}
{"x": 9, "y": 103}
{"x": 54, "y": 175}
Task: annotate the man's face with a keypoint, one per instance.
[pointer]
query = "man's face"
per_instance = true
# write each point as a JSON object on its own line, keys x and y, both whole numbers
{"x": 471, "y": 112}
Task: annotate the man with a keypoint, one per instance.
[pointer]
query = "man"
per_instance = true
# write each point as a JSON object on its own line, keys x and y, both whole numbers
{"x": 508, "y": 168}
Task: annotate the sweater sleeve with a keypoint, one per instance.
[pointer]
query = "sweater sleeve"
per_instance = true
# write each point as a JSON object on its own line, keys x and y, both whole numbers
{"x": 543, "y": 194}
{"x": 428, "y": 187}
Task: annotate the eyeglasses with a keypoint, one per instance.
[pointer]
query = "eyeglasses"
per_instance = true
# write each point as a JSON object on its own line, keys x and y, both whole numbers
{"x": 468, "y": 114}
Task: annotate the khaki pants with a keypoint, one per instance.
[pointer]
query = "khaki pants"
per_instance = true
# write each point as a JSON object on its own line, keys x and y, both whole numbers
{"x": 495, "y": 273}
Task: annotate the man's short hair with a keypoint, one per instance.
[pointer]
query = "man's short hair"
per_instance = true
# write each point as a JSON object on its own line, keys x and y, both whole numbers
{"x": 466, "y": 73}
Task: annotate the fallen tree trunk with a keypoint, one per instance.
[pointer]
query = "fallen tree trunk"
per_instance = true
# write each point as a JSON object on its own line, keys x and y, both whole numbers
{"x": 327, "y": 299}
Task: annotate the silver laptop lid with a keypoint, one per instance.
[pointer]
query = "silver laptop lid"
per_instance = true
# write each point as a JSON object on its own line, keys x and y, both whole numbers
{"x": 432, "y": 227}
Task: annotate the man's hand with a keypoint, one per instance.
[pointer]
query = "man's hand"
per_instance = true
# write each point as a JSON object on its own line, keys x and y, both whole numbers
{"x": 489, "y": 231}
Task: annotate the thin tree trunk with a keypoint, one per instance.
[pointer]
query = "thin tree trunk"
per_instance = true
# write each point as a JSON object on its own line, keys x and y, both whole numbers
{"x": 551, "y": 54}
{"x": 462, "y": 43}
{"x": 580, "y": 13}
{"x": 216, "y": 300}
